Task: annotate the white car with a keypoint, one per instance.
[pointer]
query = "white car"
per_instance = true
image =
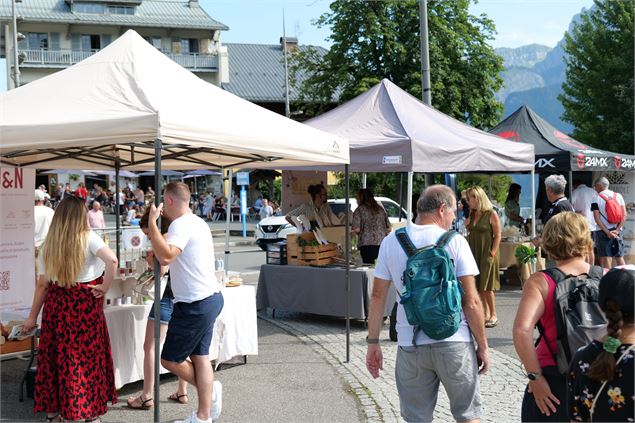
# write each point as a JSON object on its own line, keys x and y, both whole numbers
{"x": 276, "y": 228}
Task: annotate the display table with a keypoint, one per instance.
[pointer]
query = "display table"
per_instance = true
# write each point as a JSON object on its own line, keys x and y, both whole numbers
{"x": 316, "y": 290}
{"x": 235, "y": 333}
{"x": 507, "y": 253}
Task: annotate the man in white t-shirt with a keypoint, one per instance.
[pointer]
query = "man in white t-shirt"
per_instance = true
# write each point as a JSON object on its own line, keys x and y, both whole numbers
{"x": 608, "y": 241}
{"x": 582, "y": 198}
{"x": 452, "y": 361}
{"x": 265, "y": 210}
{"x": 43, "y": 216}
{"x": 189, "y": 251}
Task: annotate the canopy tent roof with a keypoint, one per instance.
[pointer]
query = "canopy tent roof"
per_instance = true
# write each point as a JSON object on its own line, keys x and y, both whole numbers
{"x": 555, "y": 150}
{"x": 389, "y": 130}
{"x": 118, "y": 101}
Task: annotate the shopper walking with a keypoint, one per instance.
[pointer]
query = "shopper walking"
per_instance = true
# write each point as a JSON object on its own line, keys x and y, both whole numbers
{"x": 75, "y": 378}
{"x": 371, "y": 224}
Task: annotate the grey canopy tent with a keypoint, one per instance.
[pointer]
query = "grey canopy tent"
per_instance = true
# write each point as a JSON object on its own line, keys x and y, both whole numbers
{"x": 131, "y": 107}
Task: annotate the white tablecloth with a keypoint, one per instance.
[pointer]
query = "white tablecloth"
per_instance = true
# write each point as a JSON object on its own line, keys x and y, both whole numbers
{"x": 235, "y": 333}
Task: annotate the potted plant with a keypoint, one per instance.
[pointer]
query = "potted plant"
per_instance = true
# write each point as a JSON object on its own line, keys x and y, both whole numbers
{"x": 525, "y": 255}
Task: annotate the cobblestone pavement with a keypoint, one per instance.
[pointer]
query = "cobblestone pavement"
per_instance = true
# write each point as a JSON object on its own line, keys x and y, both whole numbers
{"x": 501, "y": 388}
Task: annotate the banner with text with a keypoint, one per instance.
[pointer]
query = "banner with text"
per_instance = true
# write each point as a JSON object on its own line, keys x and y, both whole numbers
{"x": 17, "y": 262}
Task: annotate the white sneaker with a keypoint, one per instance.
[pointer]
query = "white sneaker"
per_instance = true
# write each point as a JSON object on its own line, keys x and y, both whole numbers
{"x": 193, "y": 419}
{"x": 217, "y": 400}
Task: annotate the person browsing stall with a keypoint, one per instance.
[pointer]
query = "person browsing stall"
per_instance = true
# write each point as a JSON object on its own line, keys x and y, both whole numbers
{"x": 317, "y": 210}
{"x": 609, "y": 227}
{"x": 370, "y": 223}
{"x": 189, "y": 251}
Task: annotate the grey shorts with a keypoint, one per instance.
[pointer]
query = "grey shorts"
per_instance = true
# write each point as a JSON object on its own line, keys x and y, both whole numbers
{"x": 420, "y": 369}
{"x": 605, "y": 245}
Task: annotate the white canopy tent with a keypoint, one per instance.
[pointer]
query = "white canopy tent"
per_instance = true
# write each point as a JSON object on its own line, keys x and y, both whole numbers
{"x": 131, "y": 107}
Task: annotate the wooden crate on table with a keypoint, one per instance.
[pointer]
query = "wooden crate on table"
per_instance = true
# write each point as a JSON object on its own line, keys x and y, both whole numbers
{"x": 309, "y": 255}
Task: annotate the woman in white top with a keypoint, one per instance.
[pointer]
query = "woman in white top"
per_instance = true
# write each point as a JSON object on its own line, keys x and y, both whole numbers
{"x": 75, "y": 378}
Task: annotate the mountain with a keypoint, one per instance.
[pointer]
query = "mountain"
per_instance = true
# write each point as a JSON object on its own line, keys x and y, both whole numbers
{"x": 533, "y": 76}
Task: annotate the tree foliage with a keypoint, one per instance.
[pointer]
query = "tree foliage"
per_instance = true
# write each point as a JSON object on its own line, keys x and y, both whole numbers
{"x": 373, "y": 40}
{"x": 598, "y": 91}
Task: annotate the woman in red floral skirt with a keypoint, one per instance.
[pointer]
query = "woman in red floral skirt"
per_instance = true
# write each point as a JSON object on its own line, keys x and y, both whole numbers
{"x": 75, "y": 378}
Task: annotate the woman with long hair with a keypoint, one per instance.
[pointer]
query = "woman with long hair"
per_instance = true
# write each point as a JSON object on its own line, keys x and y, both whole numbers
{"x": 512, "y": 206}
{"x": 317, "y": 210}
{"x": 145, "y": 400}
{"x": 370, "y": 223}
{"x": 74, "y": 378}
{"x": 484, "y": 237}
{"x": 601, "y": 374}
{"x": 567, "y": 239}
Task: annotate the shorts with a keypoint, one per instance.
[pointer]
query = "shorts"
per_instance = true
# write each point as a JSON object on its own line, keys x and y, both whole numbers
{"x": 418, "y": 371}
{"x": 191, "y": 328}
{"x": 166, "y": 306}
{"x": 608, "y": 247}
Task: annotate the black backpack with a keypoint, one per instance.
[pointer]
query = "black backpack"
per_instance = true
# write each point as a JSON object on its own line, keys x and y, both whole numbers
{"x": 579, "y": 318}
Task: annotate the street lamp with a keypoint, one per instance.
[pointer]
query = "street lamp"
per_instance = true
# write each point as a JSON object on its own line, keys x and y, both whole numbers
{"x": 16, "y": 38}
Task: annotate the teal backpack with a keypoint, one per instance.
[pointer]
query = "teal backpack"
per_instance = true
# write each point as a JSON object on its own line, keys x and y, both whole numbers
{"x": 431, "y": 296}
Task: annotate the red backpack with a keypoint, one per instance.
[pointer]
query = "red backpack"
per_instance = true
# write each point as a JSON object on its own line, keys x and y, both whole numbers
{"x": 613, "y": 209}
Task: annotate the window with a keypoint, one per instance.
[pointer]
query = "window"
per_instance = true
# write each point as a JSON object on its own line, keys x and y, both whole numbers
{"x": 38, "y": 41}
{"x": 392, "y": 210}
{"x": 89, "y": 8}
{"x": 120, "y": 10}
{"x": 90, "y": 42}
{"x": 156, "y": 42}
{"x": 189, "y": 45}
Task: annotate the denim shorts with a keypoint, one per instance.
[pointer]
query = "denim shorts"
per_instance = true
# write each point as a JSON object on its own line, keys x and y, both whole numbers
{"x": 166, "y": 307}
{"x": 604, "y": 247}
{"x": 191, "y": 328}
{"x": 420, "y": 369}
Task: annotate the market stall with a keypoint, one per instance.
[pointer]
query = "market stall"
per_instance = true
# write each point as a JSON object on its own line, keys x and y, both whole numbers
{"x": 116, "y": 110}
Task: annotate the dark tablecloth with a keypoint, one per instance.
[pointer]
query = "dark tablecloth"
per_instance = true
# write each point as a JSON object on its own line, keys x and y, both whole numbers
{"x": 315, "y": 290}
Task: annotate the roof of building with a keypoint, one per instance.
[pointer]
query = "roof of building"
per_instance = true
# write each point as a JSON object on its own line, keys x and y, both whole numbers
{"x": 150, "y": 13}
{"x": 256, "y": 72}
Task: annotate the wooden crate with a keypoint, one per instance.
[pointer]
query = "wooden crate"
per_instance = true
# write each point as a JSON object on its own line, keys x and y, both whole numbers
{"x": 310, "y": 255}
{"x": 15, "y": 346}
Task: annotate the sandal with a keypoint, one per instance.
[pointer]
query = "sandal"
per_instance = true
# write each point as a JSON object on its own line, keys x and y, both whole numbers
{"x": 491, "y": 324}
{"x": 177, "y": 398}
{"x": 55, "y": 418}
{"x": 144, "y": 404}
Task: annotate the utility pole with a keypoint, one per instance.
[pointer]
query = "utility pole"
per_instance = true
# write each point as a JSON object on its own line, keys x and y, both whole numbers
{"x": 16, "y": 66}
{"x": 426, "y": 91}
{"x": 287, "y": 107}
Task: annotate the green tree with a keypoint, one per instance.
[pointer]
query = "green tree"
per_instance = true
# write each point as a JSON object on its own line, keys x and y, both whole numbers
{"x": 373, "y": 40}
{"x": 598, "y": 91}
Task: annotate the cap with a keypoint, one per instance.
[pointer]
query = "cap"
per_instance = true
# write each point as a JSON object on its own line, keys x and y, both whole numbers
{"x": 617, "y": 285}
{"x": 39, "y": 195}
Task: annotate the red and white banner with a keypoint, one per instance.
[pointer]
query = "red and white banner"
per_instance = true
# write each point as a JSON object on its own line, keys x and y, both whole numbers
{"x": 17, "y": 261}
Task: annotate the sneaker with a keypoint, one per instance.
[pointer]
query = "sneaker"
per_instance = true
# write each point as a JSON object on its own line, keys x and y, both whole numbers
{"x": 217, "y": 400}
{"x": 193, "y": 419}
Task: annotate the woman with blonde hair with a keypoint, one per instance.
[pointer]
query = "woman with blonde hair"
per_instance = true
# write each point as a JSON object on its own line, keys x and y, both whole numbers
{"x": 75, "y": 378}
{"x": 484, "y": 237}
{"x": 567, "y": 239}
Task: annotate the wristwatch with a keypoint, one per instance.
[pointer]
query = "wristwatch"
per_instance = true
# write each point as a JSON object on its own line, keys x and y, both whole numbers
{"x": 372, "y": 340}
{"x": 533, "y": 376}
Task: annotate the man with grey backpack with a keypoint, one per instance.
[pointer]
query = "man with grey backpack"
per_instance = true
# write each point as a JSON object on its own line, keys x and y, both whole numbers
{"x": 439, "y": 317}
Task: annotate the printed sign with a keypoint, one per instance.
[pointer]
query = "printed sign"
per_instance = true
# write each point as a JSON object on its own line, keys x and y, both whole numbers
{"x": 391, "y": 160}
{"x": 242, "y": 178}
{"x": 17, "y": 256}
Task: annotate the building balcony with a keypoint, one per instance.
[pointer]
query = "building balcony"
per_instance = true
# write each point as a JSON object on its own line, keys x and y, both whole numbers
{"x": 196, "y": 62}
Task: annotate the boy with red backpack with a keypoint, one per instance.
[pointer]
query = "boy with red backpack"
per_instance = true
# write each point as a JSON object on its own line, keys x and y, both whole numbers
{"x": 609, "y": 212}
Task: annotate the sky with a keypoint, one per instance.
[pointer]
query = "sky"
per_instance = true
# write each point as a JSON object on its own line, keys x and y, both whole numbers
{"x": 518, "y": 22}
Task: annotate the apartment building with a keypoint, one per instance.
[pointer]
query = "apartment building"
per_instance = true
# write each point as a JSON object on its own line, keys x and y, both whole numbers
{"x": 60, "y": 33}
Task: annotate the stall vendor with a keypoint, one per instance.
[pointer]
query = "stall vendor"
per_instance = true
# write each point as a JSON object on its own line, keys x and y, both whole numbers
{"x": 317, "y": 210}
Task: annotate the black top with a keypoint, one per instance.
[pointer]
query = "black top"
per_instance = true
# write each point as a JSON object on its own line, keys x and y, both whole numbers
{"x": 558, "y": 206}
{"x": 615, "y": 402}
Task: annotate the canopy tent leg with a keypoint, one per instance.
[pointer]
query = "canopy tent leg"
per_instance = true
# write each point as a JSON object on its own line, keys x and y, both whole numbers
{"x": 364, "y": 179}
{"x": 533, "y": 203}
{"x": 400, "y": 194}
{"x": 347, "y": 275}
{"x": 157, "y": 286}
{"x": 409, "y": 199}
{"x": 570, "y": 186}
{"x": 228, "y": 211}
{"x": 489, "y": 187}
{"x": 117, "y": 216}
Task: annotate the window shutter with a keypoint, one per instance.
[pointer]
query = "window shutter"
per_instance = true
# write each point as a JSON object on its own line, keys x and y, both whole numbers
{"x": 76, "y": 42}
{"x": 55, "y": 41}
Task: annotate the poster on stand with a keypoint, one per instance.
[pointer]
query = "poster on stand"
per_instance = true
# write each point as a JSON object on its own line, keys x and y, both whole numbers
{"x": 17, "y": 256}
{"x": 624, "y": 183}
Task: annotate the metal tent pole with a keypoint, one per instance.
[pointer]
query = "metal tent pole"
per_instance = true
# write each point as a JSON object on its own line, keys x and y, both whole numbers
{"x": 409, "y": 198}
{"x": 157, "y": 286}
{"x": 400, "y": 193}
{"x": 228, "y": 208}
{"x": 364, "y": 180}
{"x": 347, "y": 274}
{"x": 117, "y": 199}
{"x": 570, "y": 196}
